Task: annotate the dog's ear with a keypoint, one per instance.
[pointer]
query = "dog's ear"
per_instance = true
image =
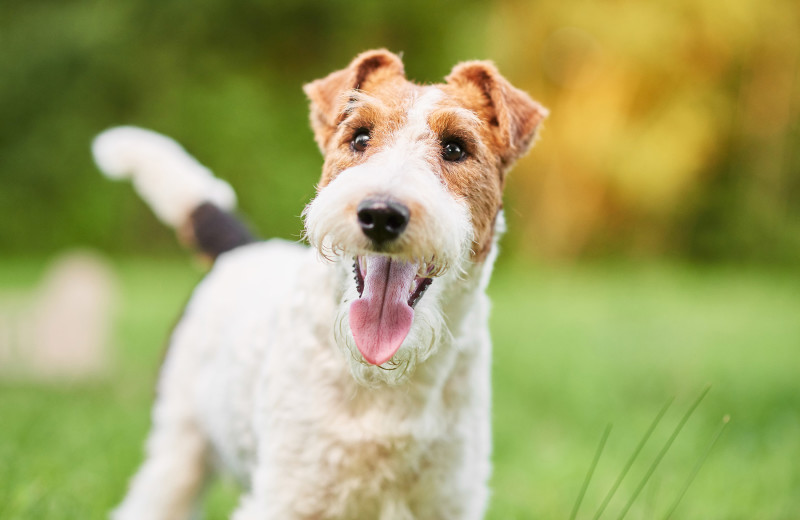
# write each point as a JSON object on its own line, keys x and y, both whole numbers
{"x": 513, "y": 115}
{"x": 326, "y": 95}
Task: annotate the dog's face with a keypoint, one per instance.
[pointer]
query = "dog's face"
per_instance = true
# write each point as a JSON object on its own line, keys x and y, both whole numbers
{"x": 410, "y": 193}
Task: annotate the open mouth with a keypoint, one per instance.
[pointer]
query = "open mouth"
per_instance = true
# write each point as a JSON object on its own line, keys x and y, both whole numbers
{"x": 388, "y": 291}
{"x": 415, "y": 290}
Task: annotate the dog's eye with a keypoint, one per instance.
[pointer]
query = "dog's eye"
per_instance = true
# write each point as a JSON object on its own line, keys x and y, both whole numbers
{"x": 360, "y": 140}
{"x": 453, "y": 151}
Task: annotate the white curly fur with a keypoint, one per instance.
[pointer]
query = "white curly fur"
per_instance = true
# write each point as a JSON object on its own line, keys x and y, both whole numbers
{"x": 263, "y": 380}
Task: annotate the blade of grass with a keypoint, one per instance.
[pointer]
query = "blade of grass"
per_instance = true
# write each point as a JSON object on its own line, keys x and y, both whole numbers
{"x": 633, "y": 458}
{"x": 589, "y": 474}
{"x": 696, "y": 469}
{"x": 663, "y": 451}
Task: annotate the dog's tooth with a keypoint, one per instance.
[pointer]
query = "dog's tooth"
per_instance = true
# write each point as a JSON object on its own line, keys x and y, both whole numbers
{"x": 425, "y": 270}
{"x": 422, "y": 270}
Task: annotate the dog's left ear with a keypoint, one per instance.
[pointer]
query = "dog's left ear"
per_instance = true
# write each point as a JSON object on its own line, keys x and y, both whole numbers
{"x": 327, "y": 95}
{"x": 513, "y": 115}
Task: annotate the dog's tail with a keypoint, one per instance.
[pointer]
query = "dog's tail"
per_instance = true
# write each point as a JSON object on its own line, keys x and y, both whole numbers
{"x": 182, "y": 193}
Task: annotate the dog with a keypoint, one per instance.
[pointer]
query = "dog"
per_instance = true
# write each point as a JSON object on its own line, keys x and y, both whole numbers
{"x": 349, "y": 379}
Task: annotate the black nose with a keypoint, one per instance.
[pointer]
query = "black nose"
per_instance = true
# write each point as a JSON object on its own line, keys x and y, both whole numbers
{"x": 382, "y": 220}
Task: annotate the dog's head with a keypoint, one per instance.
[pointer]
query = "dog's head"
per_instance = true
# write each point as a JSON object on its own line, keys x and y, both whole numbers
{"x": 410, "y": 196}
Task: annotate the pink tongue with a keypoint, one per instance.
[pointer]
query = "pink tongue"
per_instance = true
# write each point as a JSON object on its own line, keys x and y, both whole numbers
{"x": 381, "y": 318}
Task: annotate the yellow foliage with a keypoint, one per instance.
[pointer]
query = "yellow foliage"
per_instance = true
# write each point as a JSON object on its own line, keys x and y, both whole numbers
{"x": 645, "y": 99}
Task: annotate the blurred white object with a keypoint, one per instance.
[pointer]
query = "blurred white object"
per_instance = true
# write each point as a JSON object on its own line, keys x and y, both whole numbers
{"x": 62, "y": 328}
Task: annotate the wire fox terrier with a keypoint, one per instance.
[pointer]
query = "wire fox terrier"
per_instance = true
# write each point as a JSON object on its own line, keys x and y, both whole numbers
{"x": 349, "y": 380}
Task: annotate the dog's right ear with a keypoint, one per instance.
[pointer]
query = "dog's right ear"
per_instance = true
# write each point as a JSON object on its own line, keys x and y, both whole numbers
{"x": 327, "y": 94}
{"x": 510, "y": 112}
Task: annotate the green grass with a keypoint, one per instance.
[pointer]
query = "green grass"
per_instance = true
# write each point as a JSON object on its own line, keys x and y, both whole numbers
{"x": 576, "y": 348}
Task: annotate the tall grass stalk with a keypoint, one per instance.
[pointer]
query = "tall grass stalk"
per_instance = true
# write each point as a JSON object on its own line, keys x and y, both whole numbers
{"x": 663, "y": 451}
{"x": 696, "y": 469}
{"x": 589, "y": 473}
{"x": 633, "y": 458}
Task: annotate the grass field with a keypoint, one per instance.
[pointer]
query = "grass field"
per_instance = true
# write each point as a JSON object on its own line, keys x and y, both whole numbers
{"x": 576, "y": 348}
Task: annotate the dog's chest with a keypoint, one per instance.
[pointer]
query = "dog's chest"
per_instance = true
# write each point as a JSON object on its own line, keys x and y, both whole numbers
{"x": 366, "y": 477}
{"x": 356, "y": 463}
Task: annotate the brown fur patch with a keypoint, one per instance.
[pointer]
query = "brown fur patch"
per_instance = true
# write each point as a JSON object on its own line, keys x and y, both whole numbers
{"x": 382, "y": 113}
{"x": 367, "y": 69}
{"x": 512, "y": 119}
{"x": 511, "y": 111}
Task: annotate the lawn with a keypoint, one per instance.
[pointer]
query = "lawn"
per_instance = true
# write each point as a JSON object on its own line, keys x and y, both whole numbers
{"x": 576, "y": 348}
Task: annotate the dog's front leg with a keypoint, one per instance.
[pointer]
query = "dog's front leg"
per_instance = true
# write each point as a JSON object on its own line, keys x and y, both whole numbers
{"x": 256, "y": 508}
{"x": 169, "y": 482}
{"x": 250, "y": 509}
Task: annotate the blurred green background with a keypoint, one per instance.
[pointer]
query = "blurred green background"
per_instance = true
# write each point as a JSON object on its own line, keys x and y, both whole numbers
{"x": 653, "y": 244}
{"x": 674, "y": 126}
